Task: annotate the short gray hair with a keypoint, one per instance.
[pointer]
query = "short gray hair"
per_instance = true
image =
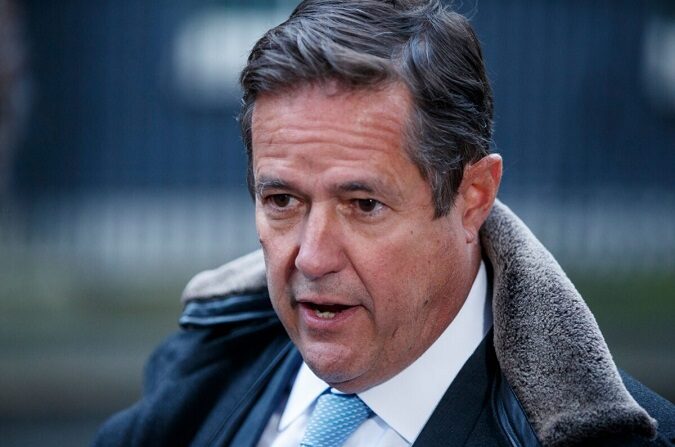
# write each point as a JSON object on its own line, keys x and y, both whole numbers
{"x": 432, "y": 50}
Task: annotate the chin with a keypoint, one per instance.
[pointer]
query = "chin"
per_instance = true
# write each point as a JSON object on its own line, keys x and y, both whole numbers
{"x": 334, "y": 365}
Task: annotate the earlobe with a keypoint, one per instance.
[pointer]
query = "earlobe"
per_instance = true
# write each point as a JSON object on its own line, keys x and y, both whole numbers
{"x": 479, "y": 187}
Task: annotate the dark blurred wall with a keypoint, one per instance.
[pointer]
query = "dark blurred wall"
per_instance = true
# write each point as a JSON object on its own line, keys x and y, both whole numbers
{"x": 106, "y": 115}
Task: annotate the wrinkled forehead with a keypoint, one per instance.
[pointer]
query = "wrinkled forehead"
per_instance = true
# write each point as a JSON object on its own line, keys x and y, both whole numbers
{"x": 326, "y": 105}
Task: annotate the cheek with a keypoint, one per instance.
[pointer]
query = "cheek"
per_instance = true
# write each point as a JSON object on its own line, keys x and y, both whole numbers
{"x": 389, "y": 269}
{"x": 405, "y": 256}
{"x": 407, "y": 267}
{"x": 278, "y": 256}
{"x": 271, "y": 239}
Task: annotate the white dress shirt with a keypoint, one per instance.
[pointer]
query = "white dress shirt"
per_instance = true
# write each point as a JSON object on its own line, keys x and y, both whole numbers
{"x": 403, "y": 404}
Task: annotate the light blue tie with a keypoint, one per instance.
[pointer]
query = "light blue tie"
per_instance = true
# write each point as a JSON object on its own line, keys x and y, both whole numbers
{"x": 335, "y": 417}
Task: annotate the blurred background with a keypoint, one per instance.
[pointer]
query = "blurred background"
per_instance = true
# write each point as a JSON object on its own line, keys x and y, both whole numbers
{"x": 122, "y": 174}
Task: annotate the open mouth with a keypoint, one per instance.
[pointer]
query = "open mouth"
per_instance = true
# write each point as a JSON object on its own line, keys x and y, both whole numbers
{"x": 326, "y": 311}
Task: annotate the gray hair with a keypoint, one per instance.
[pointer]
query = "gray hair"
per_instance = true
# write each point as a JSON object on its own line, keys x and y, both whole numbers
{"x": 362, "y": 44}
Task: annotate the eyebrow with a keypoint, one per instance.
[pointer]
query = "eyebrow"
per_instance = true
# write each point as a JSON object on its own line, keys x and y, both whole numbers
{"x": 356, "y": 186}
{"x": 265, "y": 183}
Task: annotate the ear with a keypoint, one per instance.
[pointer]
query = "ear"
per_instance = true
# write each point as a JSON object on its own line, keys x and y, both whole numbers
{"x": 478, "y": 191}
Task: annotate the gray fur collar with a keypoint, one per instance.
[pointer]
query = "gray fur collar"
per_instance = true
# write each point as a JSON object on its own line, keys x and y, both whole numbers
{"x": 547, "y": 342}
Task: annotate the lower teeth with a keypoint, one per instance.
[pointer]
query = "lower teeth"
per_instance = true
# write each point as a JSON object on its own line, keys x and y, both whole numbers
{"x": 327, "y": 315}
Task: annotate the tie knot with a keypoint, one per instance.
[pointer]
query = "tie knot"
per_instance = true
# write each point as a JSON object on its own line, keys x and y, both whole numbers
{"x": 334, "y": 419}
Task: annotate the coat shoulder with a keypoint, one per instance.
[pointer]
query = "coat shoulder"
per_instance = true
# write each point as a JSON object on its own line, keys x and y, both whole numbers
{"x": 225, "y": 348}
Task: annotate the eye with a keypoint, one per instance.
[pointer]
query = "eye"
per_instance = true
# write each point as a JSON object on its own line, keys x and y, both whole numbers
{"x": 280, "y": 200}
{"x": 367, "y": 205}
{"x": 281, "y": 205}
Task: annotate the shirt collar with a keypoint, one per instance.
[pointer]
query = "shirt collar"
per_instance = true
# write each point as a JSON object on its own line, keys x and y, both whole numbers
{"x": 406, "y": 401}
{"x": 306, "y": 389}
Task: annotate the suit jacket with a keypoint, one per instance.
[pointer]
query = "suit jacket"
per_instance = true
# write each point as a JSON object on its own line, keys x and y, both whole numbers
{"x": 543, "y": 376}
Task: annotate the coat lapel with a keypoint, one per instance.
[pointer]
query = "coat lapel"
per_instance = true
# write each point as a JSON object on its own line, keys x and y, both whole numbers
{"x": 458, "y": 413}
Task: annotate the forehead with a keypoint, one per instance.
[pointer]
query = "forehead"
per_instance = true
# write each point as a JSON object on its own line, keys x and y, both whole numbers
{"x": 324, "y": 122}
{"x": 381, "y": 106}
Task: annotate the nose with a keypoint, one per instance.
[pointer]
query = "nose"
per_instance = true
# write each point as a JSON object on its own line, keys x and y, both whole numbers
{"x": 320, "y": 251}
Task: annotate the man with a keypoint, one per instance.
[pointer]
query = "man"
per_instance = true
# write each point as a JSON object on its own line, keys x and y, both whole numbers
{"x": 407, "y": 306}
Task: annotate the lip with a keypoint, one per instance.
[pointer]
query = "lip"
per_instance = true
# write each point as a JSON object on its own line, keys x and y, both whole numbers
{"x": 323, "y": 301}
{"x": 312, "y": 321}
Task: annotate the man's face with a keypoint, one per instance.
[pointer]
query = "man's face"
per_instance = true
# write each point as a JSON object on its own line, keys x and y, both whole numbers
{"x": 362, "y": 276}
